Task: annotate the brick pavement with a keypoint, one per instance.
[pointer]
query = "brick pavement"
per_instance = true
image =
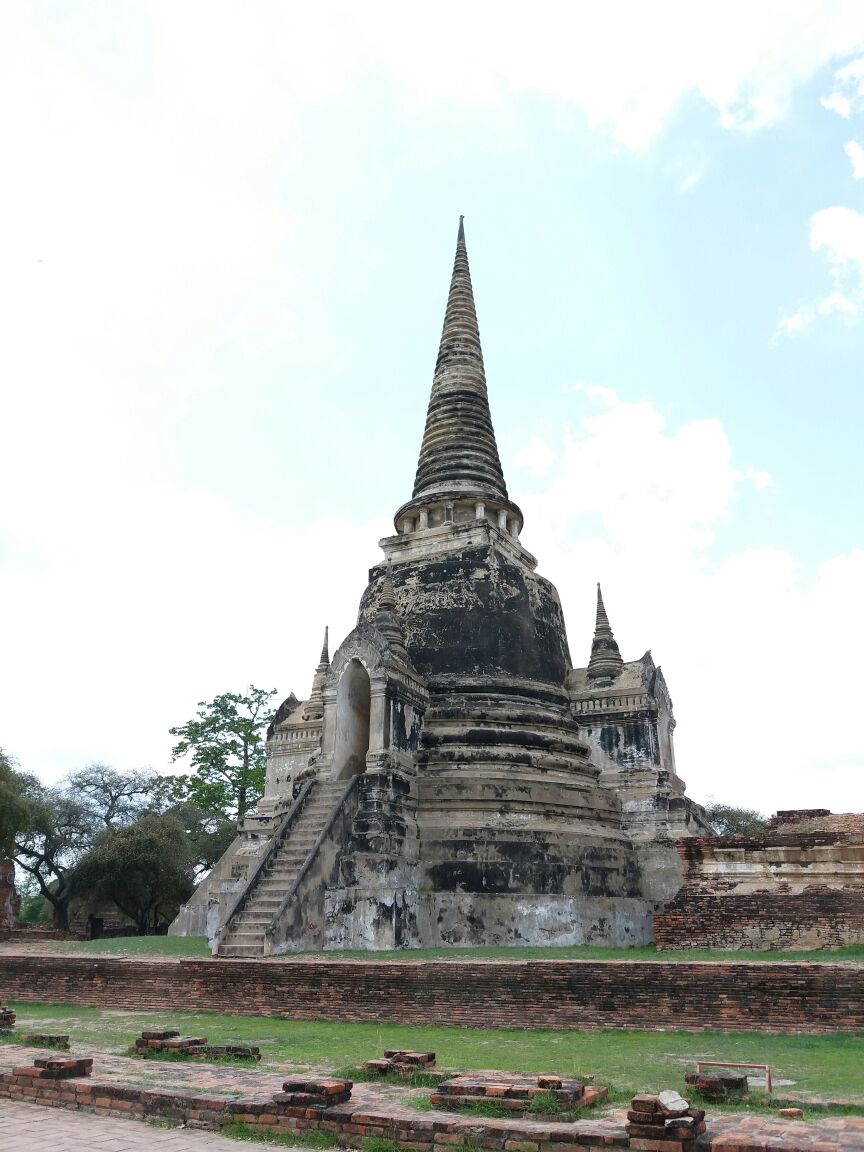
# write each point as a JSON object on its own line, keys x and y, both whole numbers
{"x": 28, "y": 1128}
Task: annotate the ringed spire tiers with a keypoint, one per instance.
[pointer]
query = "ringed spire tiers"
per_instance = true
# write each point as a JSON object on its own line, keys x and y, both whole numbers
{"x": 459, "y": 474}
{"x": 605, "y": 662}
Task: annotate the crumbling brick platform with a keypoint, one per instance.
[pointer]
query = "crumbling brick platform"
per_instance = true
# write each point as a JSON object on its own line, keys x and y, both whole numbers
{"x": 303, "y": 1094}
{"x": 201, "y": 1096}
{"x": 515, "y": 1093}
{"x": 7, "y": 1018}
{"x": 152, "y": 1043}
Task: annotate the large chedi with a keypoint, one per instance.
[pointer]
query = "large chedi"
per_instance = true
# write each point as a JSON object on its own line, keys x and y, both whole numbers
{"x": 438, "y": 786}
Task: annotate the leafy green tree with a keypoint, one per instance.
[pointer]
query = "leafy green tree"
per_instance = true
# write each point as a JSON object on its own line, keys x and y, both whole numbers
{"x": 207, "y": 836}
{"x": 225, "y": 742}
{"x": 35, "y": 909}
{"x": 145, "y": 869}
{"x": 727, "y": 820}
{"x": 14, "y": 813}
{"x": 59, "y": 828}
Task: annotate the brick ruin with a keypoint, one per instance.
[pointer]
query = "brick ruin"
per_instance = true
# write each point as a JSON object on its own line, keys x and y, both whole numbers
{"x": 555, "y": 994}
{"x": 798, "y": 885}
{"x": 452, "y": 779}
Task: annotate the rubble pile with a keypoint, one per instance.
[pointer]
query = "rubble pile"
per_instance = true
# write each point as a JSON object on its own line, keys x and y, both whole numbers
{"x": 715, "y": 1086}
{"x": 515, "y": 1093}
{"x": 663, "y": 1123}
{"x": 308, "y": 1093}
{"x": 53, "y": 1068}
{"x": 400, "y": 1062}
{"x": 7, "y": 1018}
{"x": 194, "y": 1047}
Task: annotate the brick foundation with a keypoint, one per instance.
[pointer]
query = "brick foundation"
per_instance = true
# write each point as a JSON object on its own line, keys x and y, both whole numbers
{"x": 350, "y": 1125}
{"x": 776, "y": 997}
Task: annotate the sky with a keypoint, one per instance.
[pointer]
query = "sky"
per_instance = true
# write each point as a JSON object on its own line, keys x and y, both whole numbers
{"x": 227, "y": 233}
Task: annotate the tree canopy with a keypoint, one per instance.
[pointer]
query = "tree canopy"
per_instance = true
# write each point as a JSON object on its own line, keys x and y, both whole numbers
{"x": 145, "y": 869}
{"x": 225, "y": 744}
{"x": 14, "y": 814}
{"x": 727, "y": 820}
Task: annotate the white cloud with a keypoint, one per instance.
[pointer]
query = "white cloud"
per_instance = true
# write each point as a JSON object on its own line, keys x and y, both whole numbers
{"x": 123, "y": 619}
{"x": 740, "y": 637}
{"x": 536, "y": 458}
{"x": 838, "y": 232}
{"x": 855, "y": 152}
{"x": 838, "y": 235}
{"x": 847, "y": 95}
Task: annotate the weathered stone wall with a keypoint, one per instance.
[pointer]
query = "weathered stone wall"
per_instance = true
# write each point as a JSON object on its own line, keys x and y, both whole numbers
{"x": 9, "y": 902}
{"x": 800, "y": 885}
{"x": 774, "y": 997}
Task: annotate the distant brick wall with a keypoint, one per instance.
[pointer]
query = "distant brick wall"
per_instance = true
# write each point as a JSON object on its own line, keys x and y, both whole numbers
{"x": 776, "y": 997}
{"x": 818, "y": 918}
{"x": 800, "y": 884}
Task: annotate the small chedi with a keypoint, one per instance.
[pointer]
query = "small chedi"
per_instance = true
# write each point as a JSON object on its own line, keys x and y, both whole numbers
{"x": 452, "y": 777}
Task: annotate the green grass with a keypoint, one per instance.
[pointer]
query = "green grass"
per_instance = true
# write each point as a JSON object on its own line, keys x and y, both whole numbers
{"x": 197, "y": 946}
{"x": 417, "y": 1079}
{"x": 134, "y": 946}
{"x": 239, "y": 1130}
{"x": 828, "y": 1065}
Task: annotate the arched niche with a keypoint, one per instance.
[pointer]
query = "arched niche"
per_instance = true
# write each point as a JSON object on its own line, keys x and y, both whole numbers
{"x": 353, "y": 708}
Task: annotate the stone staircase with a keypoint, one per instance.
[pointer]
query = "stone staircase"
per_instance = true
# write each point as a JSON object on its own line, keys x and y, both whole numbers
{"x": 244, "y": 933}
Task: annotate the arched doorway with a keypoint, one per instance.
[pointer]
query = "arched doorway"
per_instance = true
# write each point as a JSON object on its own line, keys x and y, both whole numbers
{"x": 352, "y": 722}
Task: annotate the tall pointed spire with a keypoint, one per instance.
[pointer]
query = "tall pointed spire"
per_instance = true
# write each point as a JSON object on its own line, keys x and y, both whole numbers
{"x": 315, "y": 704}
{"x": 324, "y": 661}
{"x": 605, "y": 659}
{"x": 459, "y": 453}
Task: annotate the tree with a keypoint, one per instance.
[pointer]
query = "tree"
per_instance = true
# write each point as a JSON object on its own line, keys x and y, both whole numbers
{"x": 14, "y": 814}
{"x": 207, "y": 836}
{"x": 117, "y": 798}
{"x": 59, "y": 827}
{"x": 726, "y": 820}
{"x": 226, "y": 745}
{"x": 145, "y": 869}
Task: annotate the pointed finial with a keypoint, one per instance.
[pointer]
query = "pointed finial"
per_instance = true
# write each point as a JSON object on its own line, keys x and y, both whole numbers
{"x": 605, "y": 662}
{"x": 315, "y": 704}
{"x": 459, "y": 452}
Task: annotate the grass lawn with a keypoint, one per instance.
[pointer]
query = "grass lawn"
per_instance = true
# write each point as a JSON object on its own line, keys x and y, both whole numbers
{"x": 829, "y": 1065}
{"x": 197, "y": 946}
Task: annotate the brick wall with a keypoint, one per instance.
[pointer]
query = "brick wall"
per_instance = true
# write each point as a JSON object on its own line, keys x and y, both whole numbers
{"x": 800, "y": 884}
{"x": 776, "y": 997}
{"x": 776, "y": 921}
